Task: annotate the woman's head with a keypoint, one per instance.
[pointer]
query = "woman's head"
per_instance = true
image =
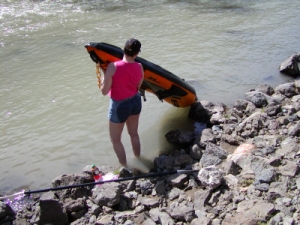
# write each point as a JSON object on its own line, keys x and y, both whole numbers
{"x": 132, "y": 47}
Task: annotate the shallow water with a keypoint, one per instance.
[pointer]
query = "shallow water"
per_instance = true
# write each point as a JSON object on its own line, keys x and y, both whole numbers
{"x": 53, "y": 117}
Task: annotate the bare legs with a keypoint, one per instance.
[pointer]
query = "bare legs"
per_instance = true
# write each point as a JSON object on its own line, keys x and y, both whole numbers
{"x": 115, "y": 130}
{"x": 132, "y": 124}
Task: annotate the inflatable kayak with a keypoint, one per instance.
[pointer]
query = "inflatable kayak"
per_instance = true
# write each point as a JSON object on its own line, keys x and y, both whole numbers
{"x": 165, "y": 85}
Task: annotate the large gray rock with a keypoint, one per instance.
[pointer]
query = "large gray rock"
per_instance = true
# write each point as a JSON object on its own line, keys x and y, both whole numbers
{"x": 7, "y": 214}
{"x": 290, "y": 65}
{"x": 251, "y": 126}
{"x": 149, "y": 203}
{"x": 160, "y": 217}
{"x": 289, "y": 169}
{"x": 206, "y": 137}
{"x": 107, "y": 194}
{"x": 181, "y": 212}
{"x": 240, "y": 105}
{"x": 264, "y": 172}
{"x": 211, "y": 177}
{"x": 75, "y": 208}
{"x": 258, "y": 209}
{"x": 177, "y": 180}
{"x": 122, "y": 217}
{"x": 213, "y": 155}
{"x": 257, "y": 98}
{"x": 174, "y": 193}
{"x": 288, "y": 148}
{"x": 50, "y": 211}
{"x": 72, "y": 179}
{"x": 287, "y": 89}
{"x": 265, "y": 88}
{"x": 201, "y": 199}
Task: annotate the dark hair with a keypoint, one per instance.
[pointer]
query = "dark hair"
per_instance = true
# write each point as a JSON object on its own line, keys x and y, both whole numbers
{"x": 132, "y": 47}
{"x": 130, "y": 53}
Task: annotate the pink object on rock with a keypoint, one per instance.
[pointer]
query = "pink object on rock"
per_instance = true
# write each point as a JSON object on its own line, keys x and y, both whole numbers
{"x": 244, "y": 149}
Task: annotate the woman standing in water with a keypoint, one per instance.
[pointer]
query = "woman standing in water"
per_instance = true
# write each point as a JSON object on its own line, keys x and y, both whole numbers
{"x": 122, "y": 81}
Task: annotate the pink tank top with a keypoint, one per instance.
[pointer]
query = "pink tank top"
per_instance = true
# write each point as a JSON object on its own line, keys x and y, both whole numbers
{"x": 125, "y": 81}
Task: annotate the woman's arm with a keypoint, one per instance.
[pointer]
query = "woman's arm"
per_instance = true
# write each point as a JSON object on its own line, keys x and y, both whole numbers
{"x": 107, "y": 80}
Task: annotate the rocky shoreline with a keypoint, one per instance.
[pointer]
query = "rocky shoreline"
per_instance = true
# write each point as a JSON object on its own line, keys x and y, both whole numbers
{"x": 245, "y": 171}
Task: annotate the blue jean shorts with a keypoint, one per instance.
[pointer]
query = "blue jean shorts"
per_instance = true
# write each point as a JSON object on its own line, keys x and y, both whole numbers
{"x": 119, "y": 111}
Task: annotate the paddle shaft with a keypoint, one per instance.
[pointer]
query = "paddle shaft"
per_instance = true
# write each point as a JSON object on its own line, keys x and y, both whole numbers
{"x": 108, "y": 181}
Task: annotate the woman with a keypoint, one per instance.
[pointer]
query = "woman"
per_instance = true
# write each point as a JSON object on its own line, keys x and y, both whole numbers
{"x": 122, "y": 81}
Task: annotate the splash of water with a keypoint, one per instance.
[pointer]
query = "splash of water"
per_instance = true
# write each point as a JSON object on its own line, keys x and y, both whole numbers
{"x": 18, "y": 201}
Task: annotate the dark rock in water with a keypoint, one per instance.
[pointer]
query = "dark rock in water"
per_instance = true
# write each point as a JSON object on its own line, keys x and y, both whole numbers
{"x": 290, "y": 65}
{"x": 7, "y": 214}
{"x": 199, "y": 113}
{"x": 180, "y": 137}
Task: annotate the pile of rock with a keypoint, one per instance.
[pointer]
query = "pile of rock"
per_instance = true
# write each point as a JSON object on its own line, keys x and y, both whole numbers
{"x": 247, "y": 160}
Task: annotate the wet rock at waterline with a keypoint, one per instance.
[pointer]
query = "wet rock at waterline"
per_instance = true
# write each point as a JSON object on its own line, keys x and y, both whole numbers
{"x": 291, "y": 65}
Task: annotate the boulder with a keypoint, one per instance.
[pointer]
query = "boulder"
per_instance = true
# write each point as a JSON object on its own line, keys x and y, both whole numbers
{"x": 287, "y": 89}
{"x": 7, "y": 214}
{"x": 257, "y": 98}
{"x": 211, "y": 177}
{"x": 180, "y": 137}
{"x": 181, "y": 212}
{"x": 290, "y": 65}
{"x": 265, "y": 88}
{"x": 177, "y": 180}
{"x": 72, "y": 179}
{"x": 107, "y": 194}
{"x": 213, "y": 155}
{"x": 50, "y": 211}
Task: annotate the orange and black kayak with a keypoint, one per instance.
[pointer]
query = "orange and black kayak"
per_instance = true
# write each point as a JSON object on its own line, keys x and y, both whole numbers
{"x": 164, "y": 84}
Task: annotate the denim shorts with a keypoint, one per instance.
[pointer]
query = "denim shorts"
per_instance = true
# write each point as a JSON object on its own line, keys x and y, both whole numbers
{"x": 119, "y": 111}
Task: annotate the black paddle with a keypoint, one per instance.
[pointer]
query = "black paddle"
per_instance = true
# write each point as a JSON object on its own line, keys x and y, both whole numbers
{"x": 101, "y": 182}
